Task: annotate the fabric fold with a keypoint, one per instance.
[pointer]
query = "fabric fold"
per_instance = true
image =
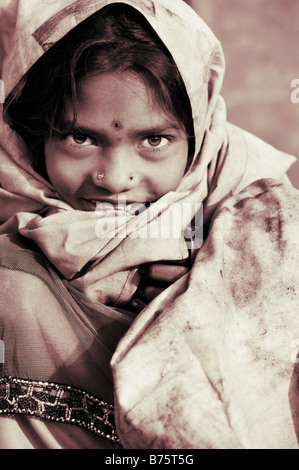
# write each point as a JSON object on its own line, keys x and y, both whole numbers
{"x": 218, "y": 342}
{"x": 206, "y": 363}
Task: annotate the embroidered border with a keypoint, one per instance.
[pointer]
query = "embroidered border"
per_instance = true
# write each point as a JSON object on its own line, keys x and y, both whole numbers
{"x": 60, "y": 403}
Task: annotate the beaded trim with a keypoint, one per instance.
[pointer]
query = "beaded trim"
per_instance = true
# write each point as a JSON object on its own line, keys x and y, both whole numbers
{"x": 56, "y": 402}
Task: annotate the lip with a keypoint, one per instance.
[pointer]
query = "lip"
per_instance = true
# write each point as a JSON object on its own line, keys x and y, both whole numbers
{"x": 92, "y": 204}
{"x": 114, "y": 202}
{"x": 120, "y": 200}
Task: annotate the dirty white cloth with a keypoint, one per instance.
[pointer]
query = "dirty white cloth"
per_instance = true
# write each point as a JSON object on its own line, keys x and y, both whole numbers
{"x": 45, "y": 243}
{"x": 212, "y": 363}
{"x": 226, "y": 159}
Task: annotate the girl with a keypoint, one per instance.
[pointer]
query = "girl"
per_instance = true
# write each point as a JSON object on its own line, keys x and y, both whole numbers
{"x": 113, "y": 135}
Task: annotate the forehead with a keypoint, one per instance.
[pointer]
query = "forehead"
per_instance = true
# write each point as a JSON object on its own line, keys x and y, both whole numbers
{"x": 118, "y": 97}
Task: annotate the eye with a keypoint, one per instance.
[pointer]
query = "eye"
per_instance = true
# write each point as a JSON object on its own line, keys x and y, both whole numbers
{"x": 155, "y": 142}
{"x": 81, "y": 140}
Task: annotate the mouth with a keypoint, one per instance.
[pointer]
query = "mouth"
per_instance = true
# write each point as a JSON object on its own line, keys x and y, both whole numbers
{"x": 119, "y": 204}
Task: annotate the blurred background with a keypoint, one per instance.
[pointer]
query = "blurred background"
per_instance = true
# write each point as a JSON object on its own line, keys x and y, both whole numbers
{"x": 260, "y": 40}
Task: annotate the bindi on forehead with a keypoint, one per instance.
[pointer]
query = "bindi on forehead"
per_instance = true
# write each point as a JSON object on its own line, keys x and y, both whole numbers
{"x": 116, "y": 124}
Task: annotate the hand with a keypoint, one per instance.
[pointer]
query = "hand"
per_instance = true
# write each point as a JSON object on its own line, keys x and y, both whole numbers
{"x": 155, "y": 278}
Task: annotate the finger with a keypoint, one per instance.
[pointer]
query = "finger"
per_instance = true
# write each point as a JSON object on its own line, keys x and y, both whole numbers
{"x": 150, "y": 292}
{"x": 166, "y": 273}
{"x": 144, "y": 268}
{"x": 178, "y": 262}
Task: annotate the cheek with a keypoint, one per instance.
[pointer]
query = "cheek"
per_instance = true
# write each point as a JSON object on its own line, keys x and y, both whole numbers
{"x": 173, "y": 170}
{"x": 181, "y": 160}
{"x": 61, "y": 174}
{"x": 53, "y": 170}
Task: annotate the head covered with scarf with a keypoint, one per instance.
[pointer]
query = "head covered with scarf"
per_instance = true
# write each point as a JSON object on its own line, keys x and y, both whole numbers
{"x": 224, "y": 159}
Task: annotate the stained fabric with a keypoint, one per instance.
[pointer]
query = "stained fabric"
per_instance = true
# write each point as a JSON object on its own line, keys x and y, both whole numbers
{"x": 221, "y": 345}
{"x": 68, "y": 332}
{"x": 217, "y": 169}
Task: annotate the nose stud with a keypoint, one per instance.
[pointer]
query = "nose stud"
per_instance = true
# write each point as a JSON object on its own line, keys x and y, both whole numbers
{"x": 101, "y": 175}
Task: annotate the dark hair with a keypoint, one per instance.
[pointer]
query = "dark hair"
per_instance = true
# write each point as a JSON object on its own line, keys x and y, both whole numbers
{"x": 117, "y": 38}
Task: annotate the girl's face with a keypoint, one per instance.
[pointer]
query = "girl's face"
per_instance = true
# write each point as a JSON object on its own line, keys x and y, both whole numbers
{"x": 124, "y": 134}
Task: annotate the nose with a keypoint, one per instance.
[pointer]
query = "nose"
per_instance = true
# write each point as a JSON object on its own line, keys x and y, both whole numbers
{"x": 117, "y": 171}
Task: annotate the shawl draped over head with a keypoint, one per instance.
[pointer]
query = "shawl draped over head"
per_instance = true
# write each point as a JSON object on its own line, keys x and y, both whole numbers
{"x": 191, "y": 371}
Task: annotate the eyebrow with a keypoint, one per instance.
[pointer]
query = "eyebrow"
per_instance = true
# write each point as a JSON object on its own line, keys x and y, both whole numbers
{"x": 162, "y": 128}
